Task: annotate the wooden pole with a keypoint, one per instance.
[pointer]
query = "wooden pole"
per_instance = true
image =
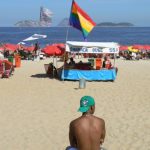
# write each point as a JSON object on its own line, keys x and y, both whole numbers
{"x": 65, "y": 52}
{"x": 53, "y": 66}
{"x": 114, "y": 59}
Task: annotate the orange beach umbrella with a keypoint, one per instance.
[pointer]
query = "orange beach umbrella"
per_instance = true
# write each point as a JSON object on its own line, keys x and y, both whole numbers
{"x": 11, "y": 47}
{"x": 123, "y": 48}
{"x": 54, "y": 49}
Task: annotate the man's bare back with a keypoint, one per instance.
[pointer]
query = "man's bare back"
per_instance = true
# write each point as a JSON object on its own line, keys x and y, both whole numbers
{"x": 87, "y": 132}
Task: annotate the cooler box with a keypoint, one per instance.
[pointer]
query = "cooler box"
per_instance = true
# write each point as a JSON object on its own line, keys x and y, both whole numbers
{"x": 98, "y": 63}
{"x": 17, "y": 61}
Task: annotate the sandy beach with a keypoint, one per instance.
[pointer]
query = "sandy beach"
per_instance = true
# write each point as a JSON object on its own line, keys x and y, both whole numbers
{"x": 35, "y": 111}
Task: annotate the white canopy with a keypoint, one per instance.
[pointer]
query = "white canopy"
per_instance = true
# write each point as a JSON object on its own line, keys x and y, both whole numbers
{"x": 35, "y": 37}
{"x": 22, "y": 43}
{"x": 92, "y": 47}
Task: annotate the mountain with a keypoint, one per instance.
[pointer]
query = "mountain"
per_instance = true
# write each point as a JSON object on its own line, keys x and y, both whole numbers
{"x": 27, "y": 23}
{"x": 111, "y": 24}
{"x": 64, "y": 23}
{"x": 44, "y": 21}
{"x": 45, "y": 17}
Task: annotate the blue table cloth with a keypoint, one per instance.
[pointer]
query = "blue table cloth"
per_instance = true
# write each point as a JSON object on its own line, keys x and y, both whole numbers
{"x": 74, "y": 74}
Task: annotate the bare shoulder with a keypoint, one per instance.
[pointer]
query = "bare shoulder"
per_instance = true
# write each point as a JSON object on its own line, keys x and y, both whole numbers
{"x": 100, "y": 120}
{"x": 75, "y": 121}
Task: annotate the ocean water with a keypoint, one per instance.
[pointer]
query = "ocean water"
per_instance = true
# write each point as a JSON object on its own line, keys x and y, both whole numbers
{"x": 122, "y": 35}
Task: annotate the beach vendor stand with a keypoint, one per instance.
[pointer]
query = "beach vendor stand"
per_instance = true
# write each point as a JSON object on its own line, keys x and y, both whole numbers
{"x": 91, "y": 48}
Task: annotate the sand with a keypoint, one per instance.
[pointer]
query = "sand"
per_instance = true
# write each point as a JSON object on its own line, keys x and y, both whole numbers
{"x": 35, "y": 111}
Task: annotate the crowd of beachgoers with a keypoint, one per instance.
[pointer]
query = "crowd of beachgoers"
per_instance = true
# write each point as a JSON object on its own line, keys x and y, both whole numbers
{"x": 8, "y": 52}
{"x": 134, "y": 52}
{"x": 26, "y": 52}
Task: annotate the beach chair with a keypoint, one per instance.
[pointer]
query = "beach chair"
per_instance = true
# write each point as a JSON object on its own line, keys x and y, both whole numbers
{"x": 1, "y": 68}
{"x": 8, "y": 69}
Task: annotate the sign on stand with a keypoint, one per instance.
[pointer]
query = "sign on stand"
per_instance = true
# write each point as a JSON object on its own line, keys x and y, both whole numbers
{"x": 92, "y": 47}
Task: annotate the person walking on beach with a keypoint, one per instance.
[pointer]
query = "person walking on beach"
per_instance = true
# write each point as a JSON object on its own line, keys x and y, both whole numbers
{"x": 88, "y": 131}
{"x": 36, "y": 47}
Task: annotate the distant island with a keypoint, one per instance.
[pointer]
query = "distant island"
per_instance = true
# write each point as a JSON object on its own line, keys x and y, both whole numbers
{"x": 111, "y": 24}
{"x": 44, "y": 21}
{"x": 65, "y": 22}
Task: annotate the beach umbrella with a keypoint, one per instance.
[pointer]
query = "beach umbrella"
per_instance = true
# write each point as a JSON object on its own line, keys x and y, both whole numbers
{"x": 123, "y": 48}
{"x": 53, "y": 50}
{"x": 10, "y": 47}
{"x": 60, "y": 45}
{"x": 1, "y": 48}
{"x": 146, "y": 47}
{"x": 140, "y": 47}
{"x": 21, "y": 43}
{"x": 35, "y": 37}
{"x": 131, "y": 49}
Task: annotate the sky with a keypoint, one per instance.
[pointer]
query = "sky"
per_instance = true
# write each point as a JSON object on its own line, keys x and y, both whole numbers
{"x": 133, "y": 11}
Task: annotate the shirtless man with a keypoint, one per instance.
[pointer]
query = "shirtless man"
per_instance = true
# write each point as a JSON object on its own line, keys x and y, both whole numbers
{"x": 88, "y": 131}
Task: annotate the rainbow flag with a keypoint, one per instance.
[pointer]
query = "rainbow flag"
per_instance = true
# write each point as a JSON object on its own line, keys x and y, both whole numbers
{"x": 80, "y": 20}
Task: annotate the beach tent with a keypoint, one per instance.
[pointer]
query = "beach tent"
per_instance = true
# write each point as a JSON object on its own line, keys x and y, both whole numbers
{"x": 94, "y": 48}
{"x": 35, "y": 37}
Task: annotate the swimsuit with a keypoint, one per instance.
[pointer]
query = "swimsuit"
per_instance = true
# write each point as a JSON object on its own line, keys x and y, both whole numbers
{"x": 72, "y": 148}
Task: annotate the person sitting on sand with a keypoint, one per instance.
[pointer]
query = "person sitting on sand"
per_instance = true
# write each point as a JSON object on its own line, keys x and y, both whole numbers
{"x": 52, "y": 71}
{"x": 88, "y": 131}
{"x": 72, "y": 62}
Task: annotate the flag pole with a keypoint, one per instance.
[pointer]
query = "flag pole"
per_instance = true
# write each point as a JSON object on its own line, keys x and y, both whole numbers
{"x": 63, "y": 72}
{"x": 67, "y": 33}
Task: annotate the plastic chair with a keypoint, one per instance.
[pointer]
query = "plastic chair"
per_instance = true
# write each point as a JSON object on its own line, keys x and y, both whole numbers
{"x": 8, "y": 69}
{"x": 1, "y": 68}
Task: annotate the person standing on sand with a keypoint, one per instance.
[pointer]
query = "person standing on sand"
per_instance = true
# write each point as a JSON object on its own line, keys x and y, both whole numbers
{"x": 88, "y": 131}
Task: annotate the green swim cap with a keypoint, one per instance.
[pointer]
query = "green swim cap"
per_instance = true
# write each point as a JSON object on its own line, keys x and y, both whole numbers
{"x": 85, "y": 103}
